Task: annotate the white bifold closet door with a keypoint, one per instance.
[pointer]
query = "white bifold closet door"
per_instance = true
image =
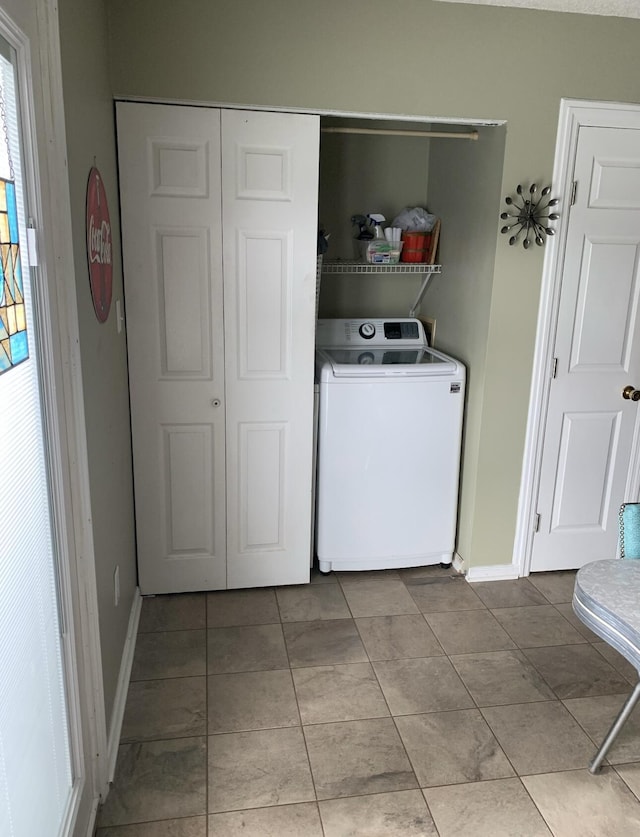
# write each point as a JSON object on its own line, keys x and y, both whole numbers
{"x": 219, "y": 216}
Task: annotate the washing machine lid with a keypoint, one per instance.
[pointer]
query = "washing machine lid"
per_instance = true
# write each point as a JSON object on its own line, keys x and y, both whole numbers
{"x": 381, "y": 361}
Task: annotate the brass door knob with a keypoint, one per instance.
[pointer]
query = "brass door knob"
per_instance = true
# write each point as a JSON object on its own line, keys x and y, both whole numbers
{"x": 631, "y": 394}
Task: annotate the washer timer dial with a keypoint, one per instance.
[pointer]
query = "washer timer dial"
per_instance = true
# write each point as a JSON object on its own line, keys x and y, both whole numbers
{"x": 367, "y": 330}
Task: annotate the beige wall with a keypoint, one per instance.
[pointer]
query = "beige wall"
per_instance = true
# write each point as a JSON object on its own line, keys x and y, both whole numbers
{"x": 91, "y": 141}
{"x": 406, "y": 57}
{"x": 465, "y": 187}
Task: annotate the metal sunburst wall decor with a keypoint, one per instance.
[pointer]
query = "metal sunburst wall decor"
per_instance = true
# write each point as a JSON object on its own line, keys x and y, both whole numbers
{"x": 530, "y": 216}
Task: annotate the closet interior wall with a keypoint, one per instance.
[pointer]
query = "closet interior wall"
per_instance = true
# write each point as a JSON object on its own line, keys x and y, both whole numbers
{"x": 360, "y": 174}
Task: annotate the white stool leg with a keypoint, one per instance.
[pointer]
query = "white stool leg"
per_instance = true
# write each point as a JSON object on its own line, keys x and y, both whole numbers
{"x": 617, "y": 725}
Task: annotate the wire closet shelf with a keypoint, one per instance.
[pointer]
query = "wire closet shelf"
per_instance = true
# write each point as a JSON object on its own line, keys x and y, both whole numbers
{"x": 344, "y": 266}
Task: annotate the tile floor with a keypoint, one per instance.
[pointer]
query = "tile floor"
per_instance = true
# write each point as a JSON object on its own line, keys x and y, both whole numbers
{"x": 395, "y": 703}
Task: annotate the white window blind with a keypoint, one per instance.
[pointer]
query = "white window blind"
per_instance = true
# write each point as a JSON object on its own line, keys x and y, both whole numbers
{"x": 35, "y": 763}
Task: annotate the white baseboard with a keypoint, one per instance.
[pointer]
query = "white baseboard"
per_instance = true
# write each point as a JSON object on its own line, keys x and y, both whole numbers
{"x": 499, "y": 572}
{"x": 458, "y": 563}
{"x": 117, "y": 715}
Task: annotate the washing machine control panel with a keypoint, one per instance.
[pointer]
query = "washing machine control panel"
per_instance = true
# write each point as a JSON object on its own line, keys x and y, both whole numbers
{"x": 394, "y": 331}
{"x": 402, "y": 330}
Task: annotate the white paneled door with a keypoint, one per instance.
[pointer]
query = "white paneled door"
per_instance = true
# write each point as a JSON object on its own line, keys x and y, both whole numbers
{"x": 590, "y": 427}
{"x": 169, "y": 160}
{"x": 269, "y": 207}
{"x": 219, "y": 213}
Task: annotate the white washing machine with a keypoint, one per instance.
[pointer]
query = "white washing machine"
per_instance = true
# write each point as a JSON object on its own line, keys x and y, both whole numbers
{"x": 389, "y": 435}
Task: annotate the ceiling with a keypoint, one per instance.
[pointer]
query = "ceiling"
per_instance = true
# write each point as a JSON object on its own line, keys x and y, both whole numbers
{"x": 618, "y": 8}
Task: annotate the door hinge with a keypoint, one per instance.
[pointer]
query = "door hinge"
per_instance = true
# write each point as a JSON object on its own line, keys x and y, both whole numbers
{"x": 554, "y": 367}
{"x": 574, "y": 189}
{"x": 536, "y": 524}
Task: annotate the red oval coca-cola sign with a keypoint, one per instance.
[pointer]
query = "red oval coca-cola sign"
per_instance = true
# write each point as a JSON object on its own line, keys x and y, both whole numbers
{"x": 99, "y": 249}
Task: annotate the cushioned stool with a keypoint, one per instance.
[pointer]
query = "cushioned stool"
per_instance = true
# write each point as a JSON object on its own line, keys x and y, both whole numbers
{"x": 606, "y": 598}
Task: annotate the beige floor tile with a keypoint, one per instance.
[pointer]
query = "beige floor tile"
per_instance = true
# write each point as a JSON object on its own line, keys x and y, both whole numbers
{"x": 501, "y": 677}
{"x": 400, "y": 814}
{"x": 577, "y": 671}
{"x": 188, "y": 827}
{"x": 338, "y": 693}
{"x": 251, "y": 700}
{"x": 465, "y": 631}
{"x": 323, "y": 643}
{"x": 539, "y": 737}
{"x": 630, "y": 773}
{"x": 258, "y": 769}
{"x": 247, "y": 648}
{"x": 173, "y": 708}
{"x": 378, "y": 597}
{"x": 357, "y": 576}
{"x": 358, "y": 757}
{"x": 261, "y": 760}
{"x": 596, "y": 714}
{"x": 169, "y": 654}
{"x": 497, "y": 808}
{"x": 446, "y": 748}
{"x": 157, "y": 780}
{"x": 228, "y": 608}
{"x": 181, "y": 612}
{"x": 566, "y": 609}
{"x": 316, "y": 577}
{"x": 311, "y": 602}
{"x": 428, "y": 573}
{"x": 301, "y": 820}
{"x": 443, "y": 593}
{"x": 577, "y": 803}
{"x": 556, "y": 587}
{"x": 513, "y": 593}
{"x": 619, "y": 662}
{"x": 398, "y": 637}
{"x": 539, "y": 625}
{"x": 430, "y": 684}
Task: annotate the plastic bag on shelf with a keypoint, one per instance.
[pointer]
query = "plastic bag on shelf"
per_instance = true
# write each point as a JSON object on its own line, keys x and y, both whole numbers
{"x": 415, "y": 219}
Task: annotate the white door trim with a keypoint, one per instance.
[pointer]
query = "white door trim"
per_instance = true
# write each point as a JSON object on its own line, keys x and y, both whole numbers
{"x": 47, "y": 189}
{"x": 574, "y": 113}
{"x": 57, "y": 240}
{"x": 479, "y": 122}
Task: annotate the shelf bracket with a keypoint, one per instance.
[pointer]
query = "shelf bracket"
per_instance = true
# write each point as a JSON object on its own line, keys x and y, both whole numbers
{"x": 421, "y": 293}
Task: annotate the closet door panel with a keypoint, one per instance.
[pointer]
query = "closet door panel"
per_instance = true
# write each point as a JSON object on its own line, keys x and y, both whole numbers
{"x": 187, "y": 473}
{"x": 263, "y": 298}
{"x": 169, "y": 160}
{"x": 270, "y": 189}
{"x": 261, "y": 497}
{"x": 184, "y": 302}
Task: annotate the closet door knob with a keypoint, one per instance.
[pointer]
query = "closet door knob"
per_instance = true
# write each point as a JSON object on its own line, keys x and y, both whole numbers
{"x": 215, "y": 402}
{"x": 631, "y": 394}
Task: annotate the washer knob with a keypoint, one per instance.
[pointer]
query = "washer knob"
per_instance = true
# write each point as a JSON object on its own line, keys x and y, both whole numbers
{"x": 367, "y": 330}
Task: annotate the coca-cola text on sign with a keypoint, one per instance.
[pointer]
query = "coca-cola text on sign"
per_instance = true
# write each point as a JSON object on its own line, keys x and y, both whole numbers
{"x": 99, "y": 250}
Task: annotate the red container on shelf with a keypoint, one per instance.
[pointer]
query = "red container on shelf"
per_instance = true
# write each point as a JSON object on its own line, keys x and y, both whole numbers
{"x": 415, "y": 246}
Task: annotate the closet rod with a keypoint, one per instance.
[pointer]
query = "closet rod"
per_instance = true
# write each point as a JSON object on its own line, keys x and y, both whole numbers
{"x": 391, "y": 132}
